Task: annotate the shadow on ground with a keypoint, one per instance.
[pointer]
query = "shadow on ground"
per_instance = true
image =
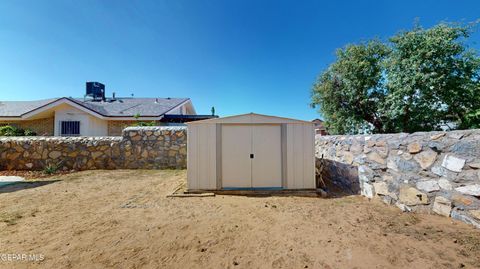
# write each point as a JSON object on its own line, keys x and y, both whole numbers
{"x": 336, "y": 178}
{"x": 261, "y": 194}
{"x": 22, "y": 185}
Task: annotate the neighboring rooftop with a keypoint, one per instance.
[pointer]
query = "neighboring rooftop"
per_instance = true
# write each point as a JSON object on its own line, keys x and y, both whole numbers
{"x": 96, "y": 101}
{"x": 122, "y": 107}
{"x": 18, "y": 108}
{"x": 119, "y": 107}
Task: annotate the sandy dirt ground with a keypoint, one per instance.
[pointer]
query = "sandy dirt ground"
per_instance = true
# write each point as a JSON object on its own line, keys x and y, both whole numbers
{"x": 123, "y": 219}
{"x": 32, "y": 174}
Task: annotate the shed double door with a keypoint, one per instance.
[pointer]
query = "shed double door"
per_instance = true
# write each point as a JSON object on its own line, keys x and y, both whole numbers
{"x": 251, "y": 156}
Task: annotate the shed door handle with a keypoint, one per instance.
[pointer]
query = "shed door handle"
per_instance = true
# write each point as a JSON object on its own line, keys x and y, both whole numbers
{"x": 252, "y": 156}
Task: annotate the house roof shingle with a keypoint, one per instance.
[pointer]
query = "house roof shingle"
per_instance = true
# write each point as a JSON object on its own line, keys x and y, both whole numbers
{"x": 18, "y": 108}
{"x": 121, "y": 107}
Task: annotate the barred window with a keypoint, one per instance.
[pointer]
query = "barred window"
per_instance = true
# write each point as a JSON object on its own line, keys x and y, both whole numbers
{"x": 70, "y": 128}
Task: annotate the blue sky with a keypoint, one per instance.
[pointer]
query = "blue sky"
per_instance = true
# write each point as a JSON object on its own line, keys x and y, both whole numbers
{"x": 239, "y": 56}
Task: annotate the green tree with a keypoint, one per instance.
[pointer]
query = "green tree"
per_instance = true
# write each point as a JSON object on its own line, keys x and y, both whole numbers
{"x": 418, "y": 81}
{"x": 351, "y": 91}
{"x": 142, "y": 123}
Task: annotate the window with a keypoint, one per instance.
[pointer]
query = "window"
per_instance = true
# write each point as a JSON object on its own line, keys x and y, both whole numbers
{"x": 70, "y": 128}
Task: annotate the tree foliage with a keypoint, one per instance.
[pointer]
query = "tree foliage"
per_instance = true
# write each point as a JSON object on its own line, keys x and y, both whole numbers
{"x": 418, "y": 81}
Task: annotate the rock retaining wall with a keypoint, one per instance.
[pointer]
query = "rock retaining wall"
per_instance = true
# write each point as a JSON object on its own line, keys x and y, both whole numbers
{"x": 434, "y": 171}
{"x": 137, "y": 148}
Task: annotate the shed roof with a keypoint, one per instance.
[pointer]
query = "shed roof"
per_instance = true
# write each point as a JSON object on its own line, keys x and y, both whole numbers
{"x": 250, "y": 118}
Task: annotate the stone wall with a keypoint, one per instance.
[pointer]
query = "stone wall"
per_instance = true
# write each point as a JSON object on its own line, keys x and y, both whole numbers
{"x": 115, "y": 128}
{"x": 431, "y": 172}
{"x": 138, "y": 148}
{"x": 43, "y": 127}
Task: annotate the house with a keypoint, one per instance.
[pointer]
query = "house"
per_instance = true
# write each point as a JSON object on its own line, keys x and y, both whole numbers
{"x": 95, "y": 115}
{"x": 319, "y": 127}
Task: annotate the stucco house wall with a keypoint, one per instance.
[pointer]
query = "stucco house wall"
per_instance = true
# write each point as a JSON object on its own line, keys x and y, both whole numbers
{"x": 89, "y": 125}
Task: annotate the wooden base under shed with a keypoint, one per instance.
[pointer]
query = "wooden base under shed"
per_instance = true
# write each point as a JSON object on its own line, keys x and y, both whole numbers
{"x": 303, "y": 193}
{"x": 182, "y": 191}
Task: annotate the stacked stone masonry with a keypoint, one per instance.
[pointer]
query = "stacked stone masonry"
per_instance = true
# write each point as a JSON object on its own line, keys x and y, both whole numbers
{"x": 436, "y": 172}
{"x": 137, "y": 148}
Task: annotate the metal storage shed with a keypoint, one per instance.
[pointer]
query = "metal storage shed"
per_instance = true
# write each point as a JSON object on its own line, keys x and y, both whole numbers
{"x": 250, "y": 151}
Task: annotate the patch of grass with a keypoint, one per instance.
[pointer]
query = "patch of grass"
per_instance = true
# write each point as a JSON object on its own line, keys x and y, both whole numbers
{"x": 50, "y": 169}
{"x": 10, "y": 218}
